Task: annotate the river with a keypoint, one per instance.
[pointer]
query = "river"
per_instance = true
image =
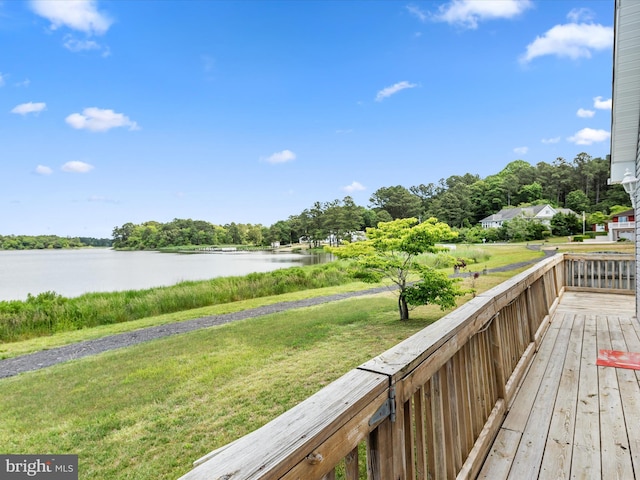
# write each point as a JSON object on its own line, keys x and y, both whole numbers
{"x": 74, "y": 272}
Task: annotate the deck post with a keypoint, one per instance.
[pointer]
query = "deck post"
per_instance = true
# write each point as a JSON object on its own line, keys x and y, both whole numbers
{"x": 498, "y": 357}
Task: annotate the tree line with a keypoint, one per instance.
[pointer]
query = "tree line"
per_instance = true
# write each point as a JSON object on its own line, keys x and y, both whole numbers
{"x": 460, "y": 201}
{"x": 40, "y": 242}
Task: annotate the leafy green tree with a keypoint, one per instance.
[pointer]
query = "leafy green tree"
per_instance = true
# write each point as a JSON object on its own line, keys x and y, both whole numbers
{"x": 280, "y": 232}
{"x": 530, "y": 193}
{"x": 597, "y": 218}
{"x": 254, "y": 235}
{"x": 577, "y": 201}
{"x": 564, "y": 224}
{"x": 615, "y": 209}
{"x": 391, "y": 250}
{"x": 397, "y": 201}
{"x": 383, "y": 216}
{"x": 597, "y": 172}
{"x": 522, "y": 229}
{"x": 426, "y": 194}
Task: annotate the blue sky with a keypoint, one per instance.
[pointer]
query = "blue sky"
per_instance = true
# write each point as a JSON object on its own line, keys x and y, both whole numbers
{"x": 251, "y": 111}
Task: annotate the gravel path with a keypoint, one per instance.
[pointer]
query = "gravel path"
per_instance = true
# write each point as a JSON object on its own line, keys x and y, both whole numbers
{"x": 47, "y": 358}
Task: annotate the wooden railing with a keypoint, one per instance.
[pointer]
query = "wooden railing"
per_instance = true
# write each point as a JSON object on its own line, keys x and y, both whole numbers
{"x": 613, "y": 272}
{"x": 430, "y": 407}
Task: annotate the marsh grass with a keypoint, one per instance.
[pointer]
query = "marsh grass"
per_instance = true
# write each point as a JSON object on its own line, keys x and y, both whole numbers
{"x": 49, "y": 313}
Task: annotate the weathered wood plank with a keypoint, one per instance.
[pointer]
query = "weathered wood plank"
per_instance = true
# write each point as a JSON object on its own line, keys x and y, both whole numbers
{"x": 430, "y": 433}
{"x": 410, "y": 438}
{"x": 462, "y": 386}
{"x": 439, "y": 442}
{"x": 454, "y": 409}
{"x": 351, "y": 465}
{"x": 523, "y": 403}
{"x": 629, "y": 390}
{"x": 501, "y": 456}
{"x": 556, "y": 463}
{"x": 474, "y": 461}
{"x": 421, "y": 435}
{"x": 614, "y": 446}
{"x": 585, "y": 464}
{"x": 526, "y": 463}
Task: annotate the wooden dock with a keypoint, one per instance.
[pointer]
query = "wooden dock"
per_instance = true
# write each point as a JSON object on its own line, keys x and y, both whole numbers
{"x": 571, "y": 418}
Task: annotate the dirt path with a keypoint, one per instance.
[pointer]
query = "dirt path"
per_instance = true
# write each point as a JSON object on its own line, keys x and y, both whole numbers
{"x": 47, "y": 358}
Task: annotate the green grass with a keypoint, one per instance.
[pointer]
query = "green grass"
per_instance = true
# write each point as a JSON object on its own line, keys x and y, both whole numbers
{"x": 147, "y": 412}
{"x": 499, "y": 255}
{"x": 12, "y": 349}
{"x": 49, "y": 313}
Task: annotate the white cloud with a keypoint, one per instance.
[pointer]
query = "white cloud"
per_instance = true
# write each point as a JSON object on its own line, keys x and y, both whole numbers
{"x": 30, "y": 107}
{"x": 280, "y": 157}
{"x": 100, "y": 120}
{"x": 77, "y": 167}
{"x": 548, "y": 141}
{"x": 25, "y": 83}
{"x": 2, "y": 79}
{"x": 416, "y": 12}
{"x": 580, "y": 15}
{"x": 43, "y": 170}
{"x": 601, "y": 104}
{"x": 354, "y": 187}
{"x": 583, "y": 113}
{"x": 468, "y": 13}
{"x": 74, "y": 45}
{"x": 588, "y": 136}
{"x": 521, "y": 150}
{"x": 571, "y": 40}
{"x": 81, "y": 15}
{"x": 388, "y": 91}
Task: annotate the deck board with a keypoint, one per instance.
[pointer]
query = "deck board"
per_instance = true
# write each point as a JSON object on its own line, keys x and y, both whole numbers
{"x": 571, "y": 418}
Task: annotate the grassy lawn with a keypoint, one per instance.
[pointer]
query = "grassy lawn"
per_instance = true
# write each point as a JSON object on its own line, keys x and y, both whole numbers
{"x": 148, "y": 411}
{"x": 499, "y": 255}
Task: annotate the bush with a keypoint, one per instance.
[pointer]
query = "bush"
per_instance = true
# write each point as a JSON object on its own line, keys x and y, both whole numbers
{"x": 440, "y": 260}
{"x": 578, "y": 238}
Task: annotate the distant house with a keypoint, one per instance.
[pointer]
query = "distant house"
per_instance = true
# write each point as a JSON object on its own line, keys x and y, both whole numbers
{"x": 622, "y": 225}
{"x": 539, "y": 213}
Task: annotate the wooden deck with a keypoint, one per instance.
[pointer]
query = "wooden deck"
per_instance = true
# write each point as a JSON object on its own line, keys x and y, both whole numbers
{"x": 571, "y": 418}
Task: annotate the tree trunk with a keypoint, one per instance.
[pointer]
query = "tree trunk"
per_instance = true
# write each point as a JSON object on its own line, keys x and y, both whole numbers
{"x": 403, "y": 307}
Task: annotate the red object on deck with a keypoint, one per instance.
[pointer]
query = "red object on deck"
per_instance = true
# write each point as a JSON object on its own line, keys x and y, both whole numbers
{"x": 616, "y": 358}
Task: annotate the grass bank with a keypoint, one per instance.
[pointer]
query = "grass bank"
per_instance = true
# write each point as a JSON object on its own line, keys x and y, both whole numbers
{"x": 147, "y": 412}
{"x": 49, "y": 313}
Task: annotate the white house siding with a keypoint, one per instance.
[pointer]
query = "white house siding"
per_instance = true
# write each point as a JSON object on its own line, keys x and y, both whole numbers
{"x": 625, "y": 116}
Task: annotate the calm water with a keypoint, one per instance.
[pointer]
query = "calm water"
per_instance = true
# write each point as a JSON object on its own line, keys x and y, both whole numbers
{"x": 74, "y": 272}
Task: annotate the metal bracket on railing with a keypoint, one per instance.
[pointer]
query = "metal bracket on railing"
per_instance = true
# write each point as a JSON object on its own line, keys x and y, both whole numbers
{"x": 387, "y": 409}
